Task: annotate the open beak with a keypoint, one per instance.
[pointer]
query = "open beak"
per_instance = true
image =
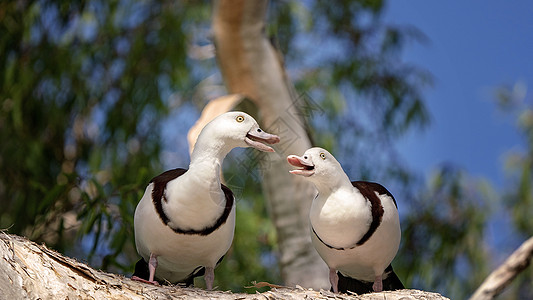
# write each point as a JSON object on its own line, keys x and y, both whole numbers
{"x": 306, "y": 168}
{"x": 256, "y": 137}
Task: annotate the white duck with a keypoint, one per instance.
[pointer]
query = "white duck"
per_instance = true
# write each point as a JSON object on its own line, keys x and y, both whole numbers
{"x": 354, "y": 225}
{"x": 185, "y": 221}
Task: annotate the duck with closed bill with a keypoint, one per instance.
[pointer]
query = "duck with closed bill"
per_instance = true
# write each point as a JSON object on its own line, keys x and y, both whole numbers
{"x": 185, "y": 221}
{"x": 355, "y": 225}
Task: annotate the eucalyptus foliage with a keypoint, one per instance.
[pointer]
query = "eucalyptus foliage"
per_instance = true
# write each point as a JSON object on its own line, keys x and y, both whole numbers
{"x": 83, "y": 88}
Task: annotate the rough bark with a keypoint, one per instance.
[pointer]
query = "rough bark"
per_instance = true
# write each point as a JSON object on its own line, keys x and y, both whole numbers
{"x": 32, "y": 271}
{"x": 500, "y": 278}
{"x": 252, "y": 67}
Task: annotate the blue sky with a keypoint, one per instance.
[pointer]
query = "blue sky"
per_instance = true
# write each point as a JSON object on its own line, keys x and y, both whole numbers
{"x": 474, "y": 47}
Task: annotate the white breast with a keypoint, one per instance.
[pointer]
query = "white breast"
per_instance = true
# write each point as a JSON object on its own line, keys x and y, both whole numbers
{"x": 341, "y": 218}
{"x": 193, "y": 202}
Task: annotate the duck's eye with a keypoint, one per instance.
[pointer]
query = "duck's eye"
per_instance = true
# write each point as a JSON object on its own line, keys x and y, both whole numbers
{"x": 323, "y": 156}
{"x": 239, "y": 119}
{"x": 259, "y": 130}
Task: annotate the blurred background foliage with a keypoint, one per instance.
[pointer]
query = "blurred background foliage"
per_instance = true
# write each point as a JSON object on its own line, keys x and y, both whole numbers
{"x": 88, "y": 89}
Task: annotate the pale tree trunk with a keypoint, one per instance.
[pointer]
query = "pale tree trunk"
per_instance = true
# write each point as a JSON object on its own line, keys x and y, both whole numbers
{"x": 252, "y": 67}
{"x": 31, "y": 271}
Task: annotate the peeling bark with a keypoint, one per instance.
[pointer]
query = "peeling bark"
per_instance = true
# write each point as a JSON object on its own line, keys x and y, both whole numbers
{"x": 32, "y": 271}
{"x": 251, "y": 66}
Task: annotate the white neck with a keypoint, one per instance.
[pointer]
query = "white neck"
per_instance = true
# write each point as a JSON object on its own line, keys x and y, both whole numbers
{"x": 196, "y": 196}
{"x": 209, "y": 147}
{"x": 206, "y": 162}
{"x": 333, "y": 183}
{"x": 207, "y": 170}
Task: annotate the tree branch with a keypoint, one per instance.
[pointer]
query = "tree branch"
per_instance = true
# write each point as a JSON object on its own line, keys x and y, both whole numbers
{"x": 32, "y": 271}
{"x": 213, "y": 109}
{"x": 500, "y": 278}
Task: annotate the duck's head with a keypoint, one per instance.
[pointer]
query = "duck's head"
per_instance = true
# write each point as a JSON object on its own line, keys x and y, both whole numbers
{"x": 317, "y": 165}
{"x": 238, "y": 129}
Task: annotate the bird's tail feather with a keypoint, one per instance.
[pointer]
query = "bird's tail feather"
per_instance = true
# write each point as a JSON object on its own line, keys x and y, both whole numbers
{"x": 390, "y": 283}
{"x": 142, "y": 271}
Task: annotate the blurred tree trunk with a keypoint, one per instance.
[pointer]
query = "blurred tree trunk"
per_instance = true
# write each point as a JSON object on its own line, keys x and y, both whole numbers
{"x": 251, "y": 66}
{"x": 32, "y": 271}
